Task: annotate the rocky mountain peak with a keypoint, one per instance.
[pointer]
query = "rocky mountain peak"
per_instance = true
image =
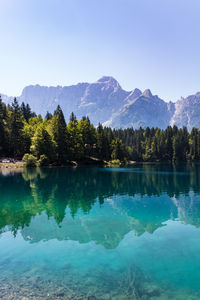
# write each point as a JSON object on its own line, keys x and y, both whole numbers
{"x": 136, "y": 93}
{"x": 147, "y": 93}
{"x": 109, "y": 80}
{"x": 106, "y": 102}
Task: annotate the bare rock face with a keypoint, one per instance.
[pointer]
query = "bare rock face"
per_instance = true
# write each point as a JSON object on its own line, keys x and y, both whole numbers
{"x": 104, "y": 101}
{"x": 97, "y": 100}
{"x": 187, "y": 112}
{"x": 145, "y": 110}
{"x": 101, "y": 99}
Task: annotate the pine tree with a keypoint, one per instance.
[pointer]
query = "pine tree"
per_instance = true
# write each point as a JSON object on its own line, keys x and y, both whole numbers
{"x": 16, "y": 125}
{"x": 88, "y": 133}
{"x": 42, "y": 144}
{"x": 3, "y": 143}
{"x": 59, "y": 131}
{"x": 169, "y": 149}
{"x": 72, "y": 118}
{"x": 26, "y": 111}
{"x": 48, "y": 116}
{"x": 103, "y": 145}
{"x": 118, "y": 150}
{"x": 75, "y": 141}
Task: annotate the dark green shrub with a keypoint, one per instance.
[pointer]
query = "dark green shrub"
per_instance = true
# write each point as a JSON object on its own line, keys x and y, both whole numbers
{"x": 30, "y": 160}
{"x": 43, "y": 161}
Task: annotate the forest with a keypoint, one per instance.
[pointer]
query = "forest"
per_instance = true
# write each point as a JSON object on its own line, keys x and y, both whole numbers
{"x": 50, "y": 140}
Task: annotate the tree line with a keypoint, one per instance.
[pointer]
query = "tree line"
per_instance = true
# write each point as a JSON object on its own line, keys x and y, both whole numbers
{"x": 53, "y": 141}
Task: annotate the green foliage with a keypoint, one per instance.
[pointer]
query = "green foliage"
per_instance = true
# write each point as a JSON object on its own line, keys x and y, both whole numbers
{"x": 75, "y": 141}
{"x": 88, "y": 134}
{"x": 42, "y": 143}
{"x": 48, "y": 116}
{"x": 115, "y": 163}
{"x": 30, "y": 160}
{"x": 59, "y": 133}
{"x": 194, "y": 144}
{"x": 16, "y": 125}
{"x": 53, "y": 141}
{"x": 43, "y": 161}
{"x": 72, "y": 117}
{"x": 180, "y": 145}
{"x": 102, "y": 145}
{"x": 26, "y": 111}
{"x": 3, "y": 133}
{"x": 118, "y": 150}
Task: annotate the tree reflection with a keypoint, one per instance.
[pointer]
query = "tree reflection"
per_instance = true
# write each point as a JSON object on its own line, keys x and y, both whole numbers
{"x": 144, "y": 196}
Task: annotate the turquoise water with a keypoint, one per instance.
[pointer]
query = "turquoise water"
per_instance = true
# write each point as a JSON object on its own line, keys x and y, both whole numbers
{"x": 100, "y": 233}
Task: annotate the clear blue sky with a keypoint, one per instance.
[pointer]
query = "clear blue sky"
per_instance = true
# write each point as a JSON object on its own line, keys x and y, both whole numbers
{"x": 142, "y": 43}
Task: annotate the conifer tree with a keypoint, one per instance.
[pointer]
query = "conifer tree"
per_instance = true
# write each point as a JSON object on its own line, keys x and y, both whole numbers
{"x": 59, "y": 131}
{"x": 103, "y": 146}
{"x": 72, "y": 118}
{"x": 48, "y": 116}
{"x": 75, "y": 141}
{"x": 42, "y": 144}
{"x": 16, "y": 125}
{"x": 26, "y": 111}
{"x": 88, "y": 133}
{"x": 3, "y": 146}
{"x": 118, "y": 150}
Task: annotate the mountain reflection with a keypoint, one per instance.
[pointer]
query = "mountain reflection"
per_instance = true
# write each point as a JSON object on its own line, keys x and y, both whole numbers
{"x": 98, "y": 204}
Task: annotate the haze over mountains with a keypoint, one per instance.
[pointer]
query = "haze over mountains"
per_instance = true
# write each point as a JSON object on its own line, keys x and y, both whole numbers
{"x": 106, "y": 102}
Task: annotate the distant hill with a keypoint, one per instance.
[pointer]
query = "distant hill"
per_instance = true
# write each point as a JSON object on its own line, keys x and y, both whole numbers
{"x": 106, "y": 102}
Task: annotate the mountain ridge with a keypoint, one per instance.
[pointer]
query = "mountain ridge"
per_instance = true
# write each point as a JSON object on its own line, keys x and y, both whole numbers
{"x": 105, "y": 101}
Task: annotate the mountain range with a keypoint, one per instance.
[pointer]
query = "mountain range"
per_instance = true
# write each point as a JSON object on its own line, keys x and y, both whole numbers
{"x": 104, "y": 101}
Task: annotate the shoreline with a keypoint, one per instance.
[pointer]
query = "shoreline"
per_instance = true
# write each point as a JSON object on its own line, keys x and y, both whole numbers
{"x": 90, "y": 162}
{"x": 16, "y": 165}
{"x": 20, "y": 165}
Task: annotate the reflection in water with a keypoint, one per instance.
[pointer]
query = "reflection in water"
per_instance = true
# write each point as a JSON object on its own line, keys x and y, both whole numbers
{"x": 154, "y": 194}
{"x": 61, "y": 219}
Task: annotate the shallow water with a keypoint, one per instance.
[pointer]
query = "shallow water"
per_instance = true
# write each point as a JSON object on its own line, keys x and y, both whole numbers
{"x": 101, "y": 233}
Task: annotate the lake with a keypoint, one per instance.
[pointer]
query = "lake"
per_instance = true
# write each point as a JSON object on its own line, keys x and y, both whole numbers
{"x": 100, "y": 233}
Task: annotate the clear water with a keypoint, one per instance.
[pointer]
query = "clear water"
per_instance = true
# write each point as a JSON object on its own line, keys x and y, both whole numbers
{"x": 100, "y": 233}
